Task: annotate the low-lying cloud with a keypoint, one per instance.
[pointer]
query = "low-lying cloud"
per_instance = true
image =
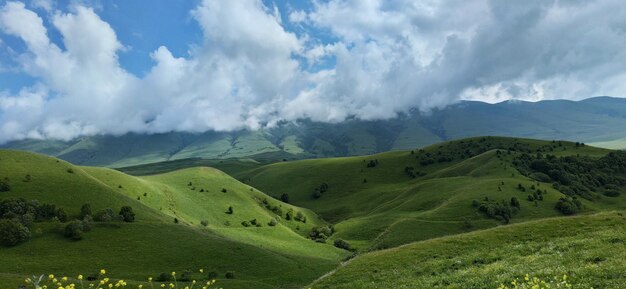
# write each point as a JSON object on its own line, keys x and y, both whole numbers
{"x": 379, "y": 58}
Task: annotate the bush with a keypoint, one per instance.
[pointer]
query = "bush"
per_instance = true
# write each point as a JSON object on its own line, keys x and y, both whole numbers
{"x": 73, "y": 230}
{"x": 272, "y": 222}
{"x": 284, "y": 198}
{"x": 611, "y": 193}
{"x": 105, "y": 215}
{"x": 204, "y": 223}
{"x": 212, "y": 275}
{"x": 5, "y": 186}
{"x": 61, "y": 215}
{"x": 320, "y": 234}
{"x": 230, "y": 210}
{"x": 341, "y": 244}
{"x": 163, "y": 277}
{"x": 568, "y": 206}
{"x": 85, "y": 210}
{"x": 230, "y": 275}
{"x": 13, "y": 232}
{"x": 245, "y": 224}
{"x": 127, "y": 214}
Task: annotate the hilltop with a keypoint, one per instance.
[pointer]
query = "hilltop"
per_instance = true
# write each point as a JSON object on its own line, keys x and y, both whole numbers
{"x": 597, "y": 119}
{"x": 182, "y": 223}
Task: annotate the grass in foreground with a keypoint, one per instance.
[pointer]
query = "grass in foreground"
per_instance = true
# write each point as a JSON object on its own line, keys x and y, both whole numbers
{"x": 590, "y": 249}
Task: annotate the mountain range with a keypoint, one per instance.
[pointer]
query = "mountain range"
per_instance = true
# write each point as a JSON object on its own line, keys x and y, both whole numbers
{"x": 598, "y": 120}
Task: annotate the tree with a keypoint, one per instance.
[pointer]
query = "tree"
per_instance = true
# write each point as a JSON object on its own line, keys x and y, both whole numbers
{"x": 105, "y": 215}
{"x": 85, "y": 210}
{"x": 515, "y": 202}
{"x": 127, "y": 214}
{"x": 73, "y": 230}
{"x": 61, "y": 215}
{"x": 230, "y": 210}
{"x": 284, "y": 198}
{"x": 12, "y": 232}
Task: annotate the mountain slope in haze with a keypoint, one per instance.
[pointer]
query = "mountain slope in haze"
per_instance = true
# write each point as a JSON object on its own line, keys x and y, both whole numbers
{"x": 279, "y": 256}
{"x": 592, "y": 120}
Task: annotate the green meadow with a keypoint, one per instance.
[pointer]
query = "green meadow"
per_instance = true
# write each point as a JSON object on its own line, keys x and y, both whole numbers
{"x": 471, "y": 213}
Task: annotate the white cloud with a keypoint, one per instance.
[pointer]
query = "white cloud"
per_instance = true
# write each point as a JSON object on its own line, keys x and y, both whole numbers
{"x": 380, "y": 58}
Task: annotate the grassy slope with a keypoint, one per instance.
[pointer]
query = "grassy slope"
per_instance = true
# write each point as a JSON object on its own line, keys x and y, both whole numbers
{"x": 266, "y": 257}
{"x": 391, "y": 208}
{"x": 618, "y": 144}
{"x": 591, "y": 249}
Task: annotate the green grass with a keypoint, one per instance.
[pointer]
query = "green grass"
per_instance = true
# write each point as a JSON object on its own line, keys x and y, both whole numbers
{"x": 392, "y": 208}
{"x": 265, "y": 257}
{"x": 590, "y": 249}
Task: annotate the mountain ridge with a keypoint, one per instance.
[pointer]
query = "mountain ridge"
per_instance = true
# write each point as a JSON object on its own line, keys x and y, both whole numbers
{"x": 597, "y": 120}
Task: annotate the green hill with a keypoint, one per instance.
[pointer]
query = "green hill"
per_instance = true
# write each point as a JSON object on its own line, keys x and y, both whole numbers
{"x": 394, "y": 198}
{"x": 589, "y": 249}
{"x": 597, "y": 119}
{"x": 262, "y": 257}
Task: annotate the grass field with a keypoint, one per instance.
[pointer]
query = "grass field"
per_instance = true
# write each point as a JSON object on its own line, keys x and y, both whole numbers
{"x": 262, "y": 257}
{"x": 382, "y": 206}
{"x": 419, "y": 202}
{"x": 589, "y": 249}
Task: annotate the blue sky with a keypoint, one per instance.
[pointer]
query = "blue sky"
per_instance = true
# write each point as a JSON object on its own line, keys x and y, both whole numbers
{"x": 71, "y": 68}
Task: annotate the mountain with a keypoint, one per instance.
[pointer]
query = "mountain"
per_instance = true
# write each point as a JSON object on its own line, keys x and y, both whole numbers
{"x": 181, "y": 224}
{"x": 595, "y": 120}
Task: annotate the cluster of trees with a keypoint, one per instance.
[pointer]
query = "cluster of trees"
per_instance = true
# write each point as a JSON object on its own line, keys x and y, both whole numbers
{"x": 569, "y": 206}
{"x": 278, "y": 210}
{"x": 500, "y": 210}
{"x": 252, "y": 222}
{"x": 411, "y": 172}
{"x": 75, "y": 229}
{"x": 320, "y": 190}
{"x": 577, "y": 175}
{"x": 320, "y": 234}
{"x": 342, "y": 244}
{"x": 17, "y": 217}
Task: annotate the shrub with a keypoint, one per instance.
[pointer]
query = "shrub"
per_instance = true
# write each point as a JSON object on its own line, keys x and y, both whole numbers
{"x": 73, "y": 230}
{"x": 230, "y": 210}
{"x": 204, "y": 223}
{"x": 568, "y": 206}
{"x": 85, "y": 210}
{"x": 163, "y": 277}
{"x": 127, "y": 214}
{"x": 105, "y": 215}
{"x": 212, "y": 275}
{"x": 61, "y": 215}
{"x": 515, "y": 202}
{"x": 5, "y": 186}
{"x": 245, "y": 224}
{"x": 13, "y": 232}
{"x": 224, "y": 190}
{"x": 230, "y": 275}
{"x": 284, "y": 198}
{"x": 175, "y": 220}
{"x": 45, "y": 212}
{"x": 272, "y": 222}
{"x": 611, "y": 193}
{"x": 341, "y": 244}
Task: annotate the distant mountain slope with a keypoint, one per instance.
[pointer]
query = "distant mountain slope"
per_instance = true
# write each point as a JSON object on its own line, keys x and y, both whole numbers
{"x": 592, "y": 120}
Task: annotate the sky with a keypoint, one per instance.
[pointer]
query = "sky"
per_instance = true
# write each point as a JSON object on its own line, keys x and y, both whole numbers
{"x": 78, "y": 68}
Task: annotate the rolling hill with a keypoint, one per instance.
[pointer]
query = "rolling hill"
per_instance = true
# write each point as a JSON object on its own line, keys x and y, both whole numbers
{"x": 597, "y": 120}
{"x": 181, "y": 224}
{"x": 390, "y": 199}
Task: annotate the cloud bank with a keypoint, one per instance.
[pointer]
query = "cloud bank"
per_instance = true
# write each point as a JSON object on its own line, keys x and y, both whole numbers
{"x": 373, "y": 60}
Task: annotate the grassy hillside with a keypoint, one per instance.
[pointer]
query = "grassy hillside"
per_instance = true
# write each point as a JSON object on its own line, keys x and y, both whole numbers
{"x": 383, "y": 205}
{"x": 593, "y": 120}
{"x": 589, "y": 249}
{"x": 261, "y": 257}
